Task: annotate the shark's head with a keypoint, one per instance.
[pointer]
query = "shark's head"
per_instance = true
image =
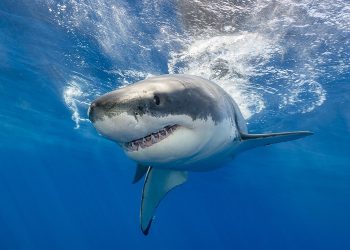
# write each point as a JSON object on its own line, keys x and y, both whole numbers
{"x": 160, "y": 120}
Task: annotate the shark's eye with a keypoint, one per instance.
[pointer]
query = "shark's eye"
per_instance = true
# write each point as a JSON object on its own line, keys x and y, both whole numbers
{"x": 156, "y": 99}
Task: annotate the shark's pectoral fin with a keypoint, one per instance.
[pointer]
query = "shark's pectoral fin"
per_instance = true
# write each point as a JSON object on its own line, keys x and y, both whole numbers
{"x": 158, "y": 183}
{"x": 139, "y": 173}
{"x": 256, "y": 140}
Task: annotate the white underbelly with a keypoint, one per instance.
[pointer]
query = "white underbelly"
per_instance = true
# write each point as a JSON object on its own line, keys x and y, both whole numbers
{"x": 212, "y": 162}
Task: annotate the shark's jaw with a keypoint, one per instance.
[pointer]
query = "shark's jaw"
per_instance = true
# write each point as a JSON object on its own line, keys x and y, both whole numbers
{"x": 166, "y": 142}
{"x": 150, "y": 139}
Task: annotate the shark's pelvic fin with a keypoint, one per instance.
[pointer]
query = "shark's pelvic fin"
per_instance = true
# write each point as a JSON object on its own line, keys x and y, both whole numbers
{"x": 256, "y": 140}
{"x": 158, "y": 183}
{"x": 139, "y": 173}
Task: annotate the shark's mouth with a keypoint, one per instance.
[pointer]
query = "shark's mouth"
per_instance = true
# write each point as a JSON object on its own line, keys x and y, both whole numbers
{"x": 150, "y": 139}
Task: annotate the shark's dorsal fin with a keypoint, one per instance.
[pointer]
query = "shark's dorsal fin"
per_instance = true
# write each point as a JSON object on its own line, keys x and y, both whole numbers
{"x": 256, "y": 140}
{"x": 139, "y": 172}
{"x": 158, "y": 183}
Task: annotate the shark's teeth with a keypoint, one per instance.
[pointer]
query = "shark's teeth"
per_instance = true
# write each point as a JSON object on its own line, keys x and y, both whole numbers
{"x": 150, "y": 139}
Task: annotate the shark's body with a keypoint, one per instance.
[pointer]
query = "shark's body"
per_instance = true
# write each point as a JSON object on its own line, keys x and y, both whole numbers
{"x": 172, "y": 124}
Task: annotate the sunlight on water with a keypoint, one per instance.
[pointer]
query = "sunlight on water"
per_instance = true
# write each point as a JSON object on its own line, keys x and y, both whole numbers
{"x": 267, "y": 55}
{"x": 227, "y": 61}
{"x": 74, "y": 97}
{"x": 63, "y": 185}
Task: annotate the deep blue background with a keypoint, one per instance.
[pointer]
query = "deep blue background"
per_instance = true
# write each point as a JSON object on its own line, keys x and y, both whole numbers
{"x": 66, "y": 188}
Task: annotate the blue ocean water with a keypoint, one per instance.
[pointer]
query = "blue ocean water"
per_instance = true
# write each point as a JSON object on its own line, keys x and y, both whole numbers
{"x": 286, "y": 63}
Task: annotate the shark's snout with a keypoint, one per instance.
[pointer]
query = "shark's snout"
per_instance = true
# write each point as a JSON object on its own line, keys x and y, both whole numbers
{"x": 91, "y": 111}
{"x": 113, "y": 117}
{"x": 96, "y": 111}
{"x": 99, "y": 108}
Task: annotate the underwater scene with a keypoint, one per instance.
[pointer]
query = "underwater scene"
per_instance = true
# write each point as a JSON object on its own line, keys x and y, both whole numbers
{"x": 66, "y": 184}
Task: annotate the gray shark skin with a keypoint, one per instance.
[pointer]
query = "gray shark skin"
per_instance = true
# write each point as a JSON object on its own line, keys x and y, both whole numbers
{"x": 192, "y": 100}
{"x": 172, "y": 124}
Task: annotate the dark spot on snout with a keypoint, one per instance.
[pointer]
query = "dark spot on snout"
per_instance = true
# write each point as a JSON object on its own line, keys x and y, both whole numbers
{"x": 140, "y": 108}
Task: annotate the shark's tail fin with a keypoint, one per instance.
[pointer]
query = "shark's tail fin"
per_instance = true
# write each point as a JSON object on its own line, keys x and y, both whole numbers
{"x": 257, "y": 140}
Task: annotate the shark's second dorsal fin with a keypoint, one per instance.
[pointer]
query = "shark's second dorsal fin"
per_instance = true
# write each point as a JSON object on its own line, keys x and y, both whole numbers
{"x": 256, "y": 140}
{"x": 158, "y": 183}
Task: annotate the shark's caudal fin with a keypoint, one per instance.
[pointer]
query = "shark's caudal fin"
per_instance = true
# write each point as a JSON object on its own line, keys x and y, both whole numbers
{"x": 158, "y": 183}
{"x": 256, "y": 140}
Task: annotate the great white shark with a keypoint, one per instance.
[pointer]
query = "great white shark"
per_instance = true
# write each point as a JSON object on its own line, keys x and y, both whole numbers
{"x": 174, "y": 124}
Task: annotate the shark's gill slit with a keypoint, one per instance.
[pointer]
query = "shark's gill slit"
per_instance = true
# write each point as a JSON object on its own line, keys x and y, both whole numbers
{"x": 150, "y": 139}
